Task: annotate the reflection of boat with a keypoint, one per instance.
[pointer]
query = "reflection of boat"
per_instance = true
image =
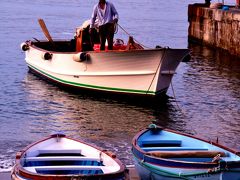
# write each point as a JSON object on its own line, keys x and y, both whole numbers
{"x": 60, "y": 157}
{"x": 167, "y": 154}
{"x": 126, "y": 69}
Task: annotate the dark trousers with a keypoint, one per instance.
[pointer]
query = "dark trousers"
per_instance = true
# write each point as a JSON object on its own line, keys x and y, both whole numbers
{"x": 106, "y": 31}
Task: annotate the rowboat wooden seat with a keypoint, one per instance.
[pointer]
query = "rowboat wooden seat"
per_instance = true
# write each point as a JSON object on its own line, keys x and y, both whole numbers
{"x": 184, "y": 154}
{"x": 61, "y": 161}
{"x": 174, "y": 149}
{"x": 62, "y": 158}
{"x": 59, "y": 152}
{"x": 154, "y": 143}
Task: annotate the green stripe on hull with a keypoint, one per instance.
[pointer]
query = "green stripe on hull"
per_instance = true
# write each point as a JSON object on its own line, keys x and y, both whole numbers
{"x": 93, "y": 86}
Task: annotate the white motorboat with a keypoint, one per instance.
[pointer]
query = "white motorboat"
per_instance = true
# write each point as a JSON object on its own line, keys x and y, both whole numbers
{"x": 74, "y": 64}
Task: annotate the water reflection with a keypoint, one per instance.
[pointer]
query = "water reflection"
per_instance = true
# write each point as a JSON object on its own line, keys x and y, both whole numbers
{"x": 206, "y": 87}
{"x": 99, "y": 111}
{"x": 110, "y": 122}
{"x": 212, "y": 82}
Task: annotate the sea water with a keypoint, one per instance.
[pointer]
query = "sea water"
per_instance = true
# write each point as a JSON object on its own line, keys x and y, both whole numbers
{"x": 204, "y": 98}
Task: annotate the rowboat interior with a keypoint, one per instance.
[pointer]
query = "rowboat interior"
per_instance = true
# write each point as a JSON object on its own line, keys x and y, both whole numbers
{"x": 164, "y": 144}
{"x": 67, "y": 157}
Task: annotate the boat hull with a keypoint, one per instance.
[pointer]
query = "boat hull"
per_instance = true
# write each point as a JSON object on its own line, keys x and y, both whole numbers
{"x": 149, "y": 171}
{"x": 145, "y": 72}
{"x": 61, "y": 158}
{"x": 166, "y": 154}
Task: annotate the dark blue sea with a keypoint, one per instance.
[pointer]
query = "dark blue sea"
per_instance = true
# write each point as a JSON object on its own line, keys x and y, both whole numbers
{"x": 204, "y": 100}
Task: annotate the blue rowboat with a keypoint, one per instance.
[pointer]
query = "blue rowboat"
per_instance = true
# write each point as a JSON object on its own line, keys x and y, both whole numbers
{"x": 166, "y": 154}
{"x": 61, "y": 158}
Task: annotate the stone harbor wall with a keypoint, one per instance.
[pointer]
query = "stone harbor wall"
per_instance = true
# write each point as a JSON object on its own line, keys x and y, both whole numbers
{"x": 215, "y": 27}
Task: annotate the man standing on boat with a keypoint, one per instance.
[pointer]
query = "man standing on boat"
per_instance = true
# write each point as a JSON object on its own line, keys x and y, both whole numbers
{"x": 107, "y": 17}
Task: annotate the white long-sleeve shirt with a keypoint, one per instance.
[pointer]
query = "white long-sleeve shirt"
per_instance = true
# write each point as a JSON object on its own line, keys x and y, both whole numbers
{"x": 103, "y": 16}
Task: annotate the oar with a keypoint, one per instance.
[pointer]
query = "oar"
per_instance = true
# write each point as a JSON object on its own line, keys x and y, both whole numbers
{"x": 45, "y": 30}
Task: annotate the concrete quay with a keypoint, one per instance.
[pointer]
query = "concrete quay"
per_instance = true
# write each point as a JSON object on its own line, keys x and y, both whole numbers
{"x": 216, "y": 27}
{"x": 5, "y": 176}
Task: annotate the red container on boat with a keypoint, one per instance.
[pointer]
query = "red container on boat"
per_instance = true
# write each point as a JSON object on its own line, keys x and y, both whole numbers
{"x": 96, "y": 47}
{"x": 119, "y": 47}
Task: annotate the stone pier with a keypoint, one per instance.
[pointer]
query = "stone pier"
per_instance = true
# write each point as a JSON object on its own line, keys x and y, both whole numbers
{"x": 215, "y": 27}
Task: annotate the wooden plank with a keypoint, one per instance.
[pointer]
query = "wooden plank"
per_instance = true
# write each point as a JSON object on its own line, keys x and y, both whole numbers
{"x": 174, "y": 149}
{"x": 45, "y": 30}
{"x": 185, "y": 154}
{"x": 56, "y": 151}
{"x": 62, "y": 158}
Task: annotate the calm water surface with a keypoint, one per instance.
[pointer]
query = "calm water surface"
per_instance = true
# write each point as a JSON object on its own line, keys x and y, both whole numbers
{"x": 206, "y": 87}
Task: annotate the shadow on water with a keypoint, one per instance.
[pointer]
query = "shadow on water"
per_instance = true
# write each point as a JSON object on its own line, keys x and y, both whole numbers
{"x": 132, "y": 99}
{"x": 161, "y": 110}
{"x": 155, "y": 104}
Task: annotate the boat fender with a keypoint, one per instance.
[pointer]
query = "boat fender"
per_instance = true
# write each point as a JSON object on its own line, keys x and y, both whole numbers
{"x": 47, "y": 56}
{"x": 158, "y": 47}
{"x": 24, "y": 46}
{"x": 81, "y": 57}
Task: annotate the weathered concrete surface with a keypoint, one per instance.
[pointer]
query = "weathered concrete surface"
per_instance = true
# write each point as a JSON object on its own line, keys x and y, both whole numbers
{"x": 215, "y": 27}
{"x": 5, "y": 176}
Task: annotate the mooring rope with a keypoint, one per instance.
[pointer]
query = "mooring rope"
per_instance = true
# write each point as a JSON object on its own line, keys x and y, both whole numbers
{"x": 179, "y": 108}
{"x": 133, "y": 37}
{"x": 156, "y": 70}
{"x": 174, "y": 95}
